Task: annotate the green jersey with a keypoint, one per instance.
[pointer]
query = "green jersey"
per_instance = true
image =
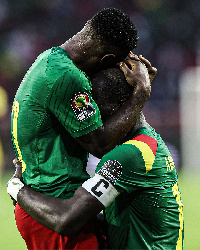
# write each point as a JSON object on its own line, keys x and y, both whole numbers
{"x": 52, "y": 106}
{"x": 148, "y": 212}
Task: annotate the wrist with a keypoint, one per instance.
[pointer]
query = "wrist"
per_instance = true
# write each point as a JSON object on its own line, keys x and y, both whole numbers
{"x": 14, "y": 186}
{"x": 142, "y": 93}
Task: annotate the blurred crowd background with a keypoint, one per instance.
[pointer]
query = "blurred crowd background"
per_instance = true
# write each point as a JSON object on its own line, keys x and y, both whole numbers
{"x": 168, "y": 36}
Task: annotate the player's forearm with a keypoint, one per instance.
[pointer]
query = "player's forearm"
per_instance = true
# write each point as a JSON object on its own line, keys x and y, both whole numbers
{"x": 117, "y": 127}
{"x": 105, "y": 138}
{"x": 43, "y": 208}
{"x": 62, "y": 216}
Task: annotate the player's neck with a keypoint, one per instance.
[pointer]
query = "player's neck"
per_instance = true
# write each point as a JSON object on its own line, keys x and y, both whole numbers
{"x": 84, "y": 61}
{"x": 71, "y": 50}
{"x": 141, "y": 122}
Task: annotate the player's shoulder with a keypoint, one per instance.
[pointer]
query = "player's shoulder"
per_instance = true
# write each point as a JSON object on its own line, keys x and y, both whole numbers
{"x": 146, "y": 138}
{"x": 58, "y": 57}
{"x": 140, "y": 147}
{"x": 59, "y": 61}
{"x": 144, "y": 142}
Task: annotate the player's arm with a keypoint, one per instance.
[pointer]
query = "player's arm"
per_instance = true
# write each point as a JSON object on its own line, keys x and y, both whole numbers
{"x": 103, "y": 139}
{"x": 64, "y": 216}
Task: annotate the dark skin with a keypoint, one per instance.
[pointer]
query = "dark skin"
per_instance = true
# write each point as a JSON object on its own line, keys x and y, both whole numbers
{"x": 104, "y": 138}
{"x": 118, "y": 125}
{"x": 97, "y": 142}
{"x": 63, "y": 216}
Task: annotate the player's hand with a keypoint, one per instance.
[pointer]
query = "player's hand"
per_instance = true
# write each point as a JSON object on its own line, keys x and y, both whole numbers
{"x": 137, "y": 76}
{"x": 151, "y": 70}
{"x": 18, "y": 169}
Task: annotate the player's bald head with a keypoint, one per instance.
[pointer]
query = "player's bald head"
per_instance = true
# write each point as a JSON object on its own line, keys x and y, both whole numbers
{"x": 110, "y": 89}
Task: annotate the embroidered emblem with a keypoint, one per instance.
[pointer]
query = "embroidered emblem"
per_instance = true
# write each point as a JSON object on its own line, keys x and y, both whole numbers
{"x": 111, "y": 170}
{"x": 82, "y": 107}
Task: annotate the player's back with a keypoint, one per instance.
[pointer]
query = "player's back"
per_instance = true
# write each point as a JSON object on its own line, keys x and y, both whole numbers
{"x": 28, "y": 108}
{"x": 48, "y": 152}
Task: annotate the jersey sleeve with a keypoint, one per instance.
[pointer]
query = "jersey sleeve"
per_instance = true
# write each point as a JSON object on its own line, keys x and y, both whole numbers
{"x": 70, "y": 100}
{"x": 126, "y": 168}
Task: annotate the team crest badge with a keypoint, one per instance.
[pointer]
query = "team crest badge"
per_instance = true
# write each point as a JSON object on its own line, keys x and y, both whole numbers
{"x": 111, "y": 170}
{"x": 82, "y": 107}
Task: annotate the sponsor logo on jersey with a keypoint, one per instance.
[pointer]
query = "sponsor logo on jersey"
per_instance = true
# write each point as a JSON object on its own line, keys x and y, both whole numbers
{"x": 82, "y": 107}
{"x": 111, "y": 170}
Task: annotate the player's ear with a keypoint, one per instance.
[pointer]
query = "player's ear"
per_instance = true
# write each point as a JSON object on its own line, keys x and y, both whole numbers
{"x": 108, "y": 60}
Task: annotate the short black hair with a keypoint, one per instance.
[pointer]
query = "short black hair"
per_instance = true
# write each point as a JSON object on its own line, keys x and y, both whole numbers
{"x": 109, "y": 87}
{"x": 115, "y": 28}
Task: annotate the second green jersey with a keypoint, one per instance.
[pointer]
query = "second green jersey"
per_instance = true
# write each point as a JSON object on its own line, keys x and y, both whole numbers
{"x": 52, "y": 106}
{"x": 148, "y": 212}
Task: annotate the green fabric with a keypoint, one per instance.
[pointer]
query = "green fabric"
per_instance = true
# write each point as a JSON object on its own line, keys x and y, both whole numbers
{"x": 45, "y": 119}
{"x": 146, "y": 213}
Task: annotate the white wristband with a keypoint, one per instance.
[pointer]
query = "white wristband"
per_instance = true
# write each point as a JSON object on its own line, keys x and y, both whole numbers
{"x": 13, "y": 187}
{"x": 102, "y": 189}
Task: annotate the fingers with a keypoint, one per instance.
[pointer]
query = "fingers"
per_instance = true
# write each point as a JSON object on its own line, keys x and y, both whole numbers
{"x": 152, "y": 70}
{"x": 18, "y": 170}
{"x": 133, "y": 56}
{"x": 126, "y": 69}
{"x": 127, "y": 65}
{"x": 148, "y": 65}
{"x": 123, "y": 67}
{"x": 145, "y": 61}
{"x": 131, "y": 63}
{"x": 15, "y": 161}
